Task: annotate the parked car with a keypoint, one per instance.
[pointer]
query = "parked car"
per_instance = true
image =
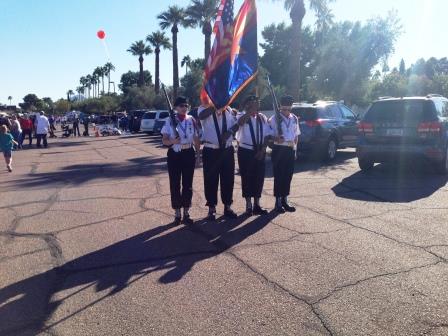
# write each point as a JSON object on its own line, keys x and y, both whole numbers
{"x": 158, "y": 125}
{"x": 395, "y": 129}
{"x": 135, "y": 119}
{"x": 149, "y": 120}
{"x": 103, "y": 120}
{"x": 325, "y": 127}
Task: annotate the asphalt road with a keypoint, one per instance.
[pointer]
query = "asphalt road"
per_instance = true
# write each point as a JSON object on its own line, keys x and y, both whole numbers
{"x": 87, "y": 248}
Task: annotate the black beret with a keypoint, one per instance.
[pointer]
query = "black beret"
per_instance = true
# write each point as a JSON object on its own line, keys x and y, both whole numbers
{"x": 250, "y": 99}
{"x": 286, "y": 101}
{"x": 180, "y": 101}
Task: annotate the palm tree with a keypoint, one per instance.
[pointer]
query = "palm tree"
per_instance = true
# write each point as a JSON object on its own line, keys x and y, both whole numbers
{"x": 186, "y": 61}
{"x": 139, "y": 48}
{"x": 69, "y": 94}
{"x": 80, "y": 90}
{"x": 99, "y": 73}
{"x": 10, "y": 99}
{"x": 83, "y": 82}
{"x": 108, "y": 67}
{"x": 174, "y": 17}
{"x": 94, "y": 82}
{"x": 158, "y": 40}
{"x": 89, "y": 83}
{"x": 202, "y": 13}
{"x": 297, "y": 12}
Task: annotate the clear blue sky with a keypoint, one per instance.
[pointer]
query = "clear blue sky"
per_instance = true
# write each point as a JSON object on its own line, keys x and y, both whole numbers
{"x": 46, "y": 45}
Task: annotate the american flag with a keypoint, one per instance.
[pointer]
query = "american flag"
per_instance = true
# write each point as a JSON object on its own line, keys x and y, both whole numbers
{"x": 221, "y": 49}
{"x": 225, "y": 15}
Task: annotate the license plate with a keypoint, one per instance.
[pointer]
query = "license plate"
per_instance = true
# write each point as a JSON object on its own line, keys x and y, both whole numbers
{"x": 394, "y": 132}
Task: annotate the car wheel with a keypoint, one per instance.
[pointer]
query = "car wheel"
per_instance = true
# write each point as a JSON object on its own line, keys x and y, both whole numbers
{"x": 442, "y": 167}
{"x": 330, "y": 150}
{"x": 365, "y": 163}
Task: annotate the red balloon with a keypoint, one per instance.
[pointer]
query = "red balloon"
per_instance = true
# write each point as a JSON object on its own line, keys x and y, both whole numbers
{"x": 101, "y": 34}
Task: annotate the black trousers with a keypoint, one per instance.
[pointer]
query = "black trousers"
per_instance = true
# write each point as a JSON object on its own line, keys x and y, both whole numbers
{"x": 219, "y": 168}
{"x": 283, "y": 166}
{"x": 86, "y": 129}
{"x": 76, "y": 129}
{"x": 181, "y": 171}
{"x": 252, "y": 172}
{"x": 41, "y": 137}
{"x": 28, "y": 132}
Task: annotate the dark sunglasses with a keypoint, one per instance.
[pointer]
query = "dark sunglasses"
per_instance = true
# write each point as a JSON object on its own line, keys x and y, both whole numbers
{"x": 183, "y": 105}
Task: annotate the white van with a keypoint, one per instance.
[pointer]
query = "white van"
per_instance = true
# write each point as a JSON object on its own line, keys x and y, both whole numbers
{"x": 149, "y": 120}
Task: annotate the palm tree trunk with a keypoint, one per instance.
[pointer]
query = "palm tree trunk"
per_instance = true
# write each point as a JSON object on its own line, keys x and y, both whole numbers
{"x": 108, "y": 82}
{"x": 297, "y": 13}
{"x": 157, "y": 86}
{"x": 207, "y": 31}
{"x": 103, "y": 85}
{"x": 141, "y": 78}
{"x": 174, "y": 30}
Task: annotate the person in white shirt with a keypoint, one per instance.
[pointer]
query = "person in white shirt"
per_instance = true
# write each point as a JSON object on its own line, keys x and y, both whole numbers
{"x": 42, "y": 126}
{"x": 218, "y": 128}
{"x": 251, "y": 135}
{"x": 183, "y": 140}
{"x": 285, "y": 133}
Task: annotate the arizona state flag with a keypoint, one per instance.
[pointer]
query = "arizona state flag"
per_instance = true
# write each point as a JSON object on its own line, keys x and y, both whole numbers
{"x": 233, "y": 60}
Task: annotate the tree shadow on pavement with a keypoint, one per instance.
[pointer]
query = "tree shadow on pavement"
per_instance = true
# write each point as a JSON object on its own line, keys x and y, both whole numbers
{"x": 82, "y": 173}
{"x": 27, "y": 305}
{"x": 398, "y": 183}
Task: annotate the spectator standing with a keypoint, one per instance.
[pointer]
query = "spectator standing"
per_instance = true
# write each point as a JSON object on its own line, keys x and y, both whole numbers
{"x": 27, "y": 129}
{"x": 16, "y": 131}
{"x": 85, "y": 122}
{"x": 42, "y": 126}
{"x": 76, "y": 126}
{"x": 6, "y": 145}
{"x": 51, "y": 120}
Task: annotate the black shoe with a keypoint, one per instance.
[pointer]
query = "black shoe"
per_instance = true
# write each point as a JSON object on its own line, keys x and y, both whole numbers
{"x": 248, "y": 212}
{"x": 279, "y": 209}
{"x": 230, "y": 214}
{"x": 177, "y": 220}
{"x": 258, "y": 210}
{"x": 287, "y": 207}
{"x": 211, "y": 214}
{"x": 187, "y": 220}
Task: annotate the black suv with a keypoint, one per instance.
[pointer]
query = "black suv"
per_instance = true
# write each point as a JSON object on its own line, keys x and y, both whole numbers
{"x": 325, "y": 126}
{"x": 396, "y": 129}
{"x": 135, "y": 119}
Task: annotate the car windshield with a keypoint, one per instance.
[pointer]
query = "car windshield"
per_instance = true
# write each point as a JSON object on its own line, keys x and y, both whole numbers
{"x": 406, "y": 111}
{"x": 149, "y": 115}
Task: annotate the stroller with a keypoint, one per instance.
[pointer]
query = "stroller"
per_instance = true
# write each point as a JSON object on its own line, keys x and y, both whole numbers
{"x": 67, "y": 131}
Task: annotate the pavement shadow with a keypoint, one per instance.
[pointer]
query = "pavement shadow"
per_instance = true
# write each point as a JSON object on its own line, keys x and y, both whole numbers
{"x": 399, "y": 183}
{"x": 25, "y": 306}
{"x": 82, "y": 173}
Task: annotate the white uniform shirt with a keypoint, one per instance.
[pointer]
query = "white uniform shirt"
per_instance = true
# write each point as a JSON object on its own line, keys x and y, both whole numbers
{"x": 290, "y": 126}
{"x": 209, "y": 131}
{"x": 186, "y": 130}
{"x": 244, "y": 135}
{"x": 42, "y": 124}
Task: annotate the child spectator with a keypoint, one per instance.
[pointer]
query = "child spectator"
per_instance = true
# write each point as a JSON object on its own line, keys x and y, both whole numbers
{"x": 6, "y": 145}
